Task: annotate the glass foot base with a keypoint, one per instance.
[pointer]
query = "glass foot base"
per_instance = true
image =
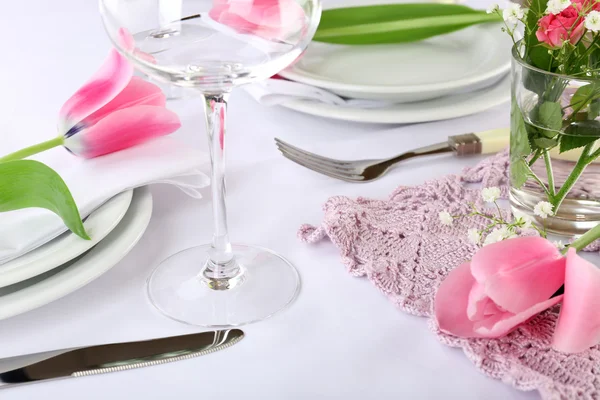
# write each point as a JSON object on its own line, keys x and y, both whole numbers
{"x": 268, "y": 285}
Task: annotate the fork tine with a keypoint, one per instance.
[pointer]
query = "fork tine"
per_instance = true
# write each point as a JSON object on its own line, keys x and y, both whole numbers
{"x": 314, "y": 157}
{"x": 318, "y": 164}
{"x": 321, "y": 170}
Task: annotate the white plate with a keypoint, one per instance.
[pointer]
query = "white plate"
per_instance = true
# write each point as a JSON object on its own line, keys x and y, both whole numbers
{"x": 67, "y": 246}
{"x": 46, "y": 288}
{"x": 468, "y": 59}
{"x": 432, "y": 110}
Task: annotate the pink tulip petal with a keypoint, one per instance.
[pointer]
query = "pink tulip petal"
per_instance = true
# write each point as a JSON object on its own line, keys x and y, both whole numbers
{"x": 477, "y": 300}
{"x": 137, "y": 92}
{"x": 270, "y": 19}
{"x": 578, "y": 326}
{"x": 519, "y": 273}
{"x": 126, "y": 41}
{"x": 501, "y": 324}
{"x": 125, "y": 128}
{"x": 480, "y": 305}
{"x": 106, "y": 83}
{"x": 451, "y": 302}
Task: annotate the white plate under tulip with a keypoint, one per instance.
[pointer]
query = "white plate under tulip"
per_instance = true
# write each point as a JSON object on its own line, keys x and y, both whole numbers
{"x": 58, "y": 282}
{"x": 68, "y": 245}
{"x": 465, "y": 60}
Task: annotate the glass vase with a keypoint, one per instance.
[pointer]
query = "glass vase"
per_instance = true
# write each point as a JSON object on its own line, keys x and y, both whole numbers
{"x": 554, "y": 147}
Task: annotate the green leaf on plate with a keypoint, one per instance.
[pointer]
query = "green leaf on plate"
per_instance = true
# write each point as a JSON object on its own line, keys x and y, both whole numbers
{"x": 550, "y": 117}
{"x": 28, "y": 183}
{"x": 396, "y": 23}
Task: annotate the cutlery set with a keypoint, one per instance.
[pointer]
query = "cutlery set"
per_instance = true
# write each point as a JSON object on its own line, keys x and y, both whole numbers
{"x": 109, "y": 358}
{"x": 368, "y": 170}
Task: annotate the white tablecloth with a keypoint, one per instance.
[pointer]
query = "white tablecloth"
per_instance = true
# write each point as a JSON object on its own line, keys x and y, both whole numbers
{"x": 341, "y": 339}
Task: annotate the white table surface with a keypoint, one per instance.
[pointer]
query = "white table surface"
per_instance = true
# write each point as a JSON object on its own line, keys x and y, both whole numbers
{"x": 341, "y": 339}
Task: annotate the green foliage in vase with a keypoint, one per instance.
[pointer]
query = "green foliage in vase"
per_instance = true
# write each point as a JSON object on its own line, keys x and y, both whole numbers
{"x": 519, "y": 147}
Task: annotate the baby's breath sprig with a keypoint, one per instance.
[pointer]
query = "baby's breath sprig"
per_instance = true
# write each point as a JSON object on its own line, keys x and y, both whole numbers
{"x": 498, "y": 227}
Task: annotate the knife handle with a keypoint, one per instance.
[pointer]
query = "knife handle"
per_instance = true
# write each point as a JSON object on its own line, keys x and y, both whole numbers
{"x": 485, "y": 142}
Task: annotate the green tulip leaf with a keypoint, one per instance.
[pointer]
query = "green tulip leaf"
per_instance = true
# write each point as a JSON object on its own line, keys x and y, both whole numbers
{"x": 396, "y": 23}
{"x": 28, "y": 183}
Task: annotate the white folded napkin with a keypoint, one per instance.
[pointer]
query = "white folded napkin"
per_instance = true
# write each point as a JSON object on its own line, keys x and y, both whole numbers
{"x": 278, "y": 91}
{"x": 92, "y": 182}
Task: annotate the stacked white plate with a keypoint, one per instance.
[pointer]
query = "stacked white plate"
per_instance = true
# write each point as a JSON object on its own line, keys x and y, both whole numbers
{"x": 448, "y": 76}
{"x": 67, "y": 262}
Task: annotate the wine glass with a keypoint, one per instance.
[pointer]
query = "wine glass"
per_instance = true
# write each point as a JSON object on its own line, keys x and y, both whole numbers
{"x": 213, "y": 47}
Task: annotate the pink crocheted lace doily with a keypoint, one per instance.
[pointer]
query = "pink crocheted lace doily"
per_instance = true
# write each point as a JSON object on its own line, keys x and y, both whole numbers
{"x": 400, "y": 245}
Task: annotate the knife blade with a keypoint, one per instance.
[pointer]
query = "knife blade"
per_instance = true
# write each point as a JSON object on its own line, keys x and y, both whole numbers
{"x": 116, "y": 357}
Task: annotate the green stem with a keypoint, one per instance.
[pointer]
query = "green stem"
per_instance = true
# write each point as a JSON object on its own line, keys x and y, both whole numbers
{"x": 537, "y": 179}
{"x": 536, "y": 156}
{"x": 572, "y": 178}
{"x": 31, "y": 150}
{"x": 548, "y": 163}
{"x": 594, "y": 155}
{"x": 587, "y": 51}
{"x": 587, "y": 238}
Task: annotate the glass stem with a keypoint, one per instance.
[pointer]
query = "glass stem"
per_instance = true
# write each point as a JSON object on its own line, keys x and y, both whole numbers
{"x": 221, "y": 271}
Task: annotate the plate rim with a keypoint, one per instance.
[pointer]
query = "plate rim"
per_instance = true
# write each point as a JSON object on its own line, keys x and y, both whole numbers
{"x": 72, "y": 246}
{"x": 349, "y": 114}
{"x": 90, "y": 267}
{"x": 290, "y": 74}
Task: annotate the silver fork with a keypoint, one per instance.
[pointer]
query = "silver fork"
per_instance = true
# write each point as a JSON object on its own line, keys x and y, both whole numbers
{"x": 369, "y": 170}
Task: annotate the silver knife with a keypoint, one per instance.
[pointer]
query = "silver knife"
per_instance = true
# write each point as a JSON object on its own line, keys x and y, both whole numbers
{"x": 113, "y": 357}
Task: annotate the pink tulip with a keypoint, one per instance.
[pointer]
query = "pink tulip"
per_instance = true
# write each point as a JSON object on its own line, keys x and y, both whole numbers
{"x": 566, "y": 26}
{"x": 114, "y": 111}
{"x": 504, "y": 285}
{"x": 578, "y": 326}
{"x": 269, "y": 19}
{"x": 126, "y": 41}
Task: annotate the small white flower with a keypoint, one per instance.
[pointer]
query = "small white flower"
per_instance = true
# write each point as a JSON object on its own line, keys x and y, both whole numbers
{"x": 498, "y": 235}
{"x": 490, "y": 194}
{"x": 592, "y": 21}
{"x": 559, "y": 244}
{"x": 494, "y": 236}
{"x": 512, "y": 14}
{"x": 543, "y": 209}
{"x": 557, "y": 6}
{"x": 492, "y": 9}
{"x": 446, "y": 218}
{"x": 474, "y": 236}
